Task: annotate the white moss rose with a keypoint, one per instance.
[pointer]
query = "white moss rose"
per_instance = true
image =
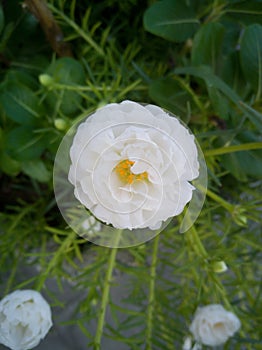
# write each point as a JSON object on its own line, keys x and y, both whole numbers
{"x": 25, "y": 319}
{"x": 131, "y": 165}
{"x": 213, "y": 325}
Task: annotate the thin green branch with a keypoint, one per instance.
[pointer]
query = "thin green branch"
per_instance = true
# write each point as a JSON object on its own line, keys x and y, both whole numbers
{"x": 151, "y": 298}
{"x": 18, "y": 218}
{"x": 238, "y": 212}
{"x": 228, "y": 206}
{"x": 54, "y": 261}
{"x": 92, "y": 88}
{"x": 78, "y": 30}
{"x": 12, "y": 275}
{"x": 259, "y": 72}
{"x": 105, "y": 295}
{"x": 233, "y": 148}
{"x": 196, "y": 243}
{"x": 200, "y": 250}
{"x": 132, "y": 86}
{"x": 221, "y": 289}
{"x": 190, "y": 91}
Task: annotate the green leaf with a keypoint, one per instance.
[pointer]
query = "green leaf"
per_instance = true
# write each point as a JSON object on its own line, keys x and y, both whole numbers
{"x": 23, "y": 144}
{"x": 246, "y": 12}
{"x": 2, "y": 19}
{"x": 171, "y": 19}
{"x": 232, "y": 74}
{"x": 8, "y": 165}
{"x": 212, "y": 80}
{"x": 251, "y": 56}
{"x": 231, "y": 36}
{"x": 27, "y": 37}
{"x": 168, "y": 93}
{"x": 207, "y": 45}
{"x": 66, "y": 71}
{"x": 252, "y": 113}
{"x": 23, "y": 77}
{"x": 198, "y": 5}
{"x": 243, "y": 164}
{"x": 5, "y": 36}
{"x": 219, "y": 102}
{"x": 19, "y": 103}
{"x": 232, "y": 163}
{"x": 37, "y": 170}
{"x": 1, "y": 138}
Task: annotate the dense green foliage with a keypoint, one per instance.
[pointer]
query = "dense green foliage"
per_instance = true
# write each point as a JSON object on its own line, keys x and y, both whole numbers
{"x": 200, "y": 59}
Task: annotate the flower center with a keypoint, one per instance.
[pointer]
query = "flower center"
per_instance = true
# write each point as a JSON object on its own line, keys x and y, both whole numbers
{"x": 219, "y": 325}
{"x": 125, "y": 174}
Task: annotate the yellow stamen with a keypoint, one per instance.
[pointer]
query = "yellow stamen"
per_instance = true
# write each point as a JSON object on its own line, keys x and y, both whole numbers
{"x": 125, "y": 174}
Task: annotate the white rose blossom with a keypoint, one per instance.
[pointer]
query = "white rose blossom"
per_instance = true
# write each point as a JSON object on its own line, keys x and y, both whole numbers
{"x": 213, "y": 325}
{"x": 131, "y": 165}
{"x": 25, "y": 319}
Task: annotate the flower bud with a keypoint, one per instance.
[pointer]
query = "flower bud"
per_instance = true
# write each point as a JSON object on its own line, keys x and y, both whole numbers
{"x": 219, "y": 266}
{"x": 60, "y": 124}
{"x": 239, "y": 216}
{"x": 46, "y": 80}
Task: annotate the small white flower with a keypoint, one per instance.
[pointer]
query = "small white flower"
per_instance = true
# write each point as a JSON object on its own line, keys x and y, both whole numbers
{"x": 25, "y": 319}
{"x": 213, "y": 325}
{"x": 131, "y": 165}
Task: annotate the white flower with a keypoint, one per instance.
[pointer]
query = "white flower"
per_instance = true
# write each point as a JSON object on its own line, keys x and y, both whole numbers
{"x": 25, "y": 319}
{"x": 131, "y": 165}
{"x": 213, "y": 325}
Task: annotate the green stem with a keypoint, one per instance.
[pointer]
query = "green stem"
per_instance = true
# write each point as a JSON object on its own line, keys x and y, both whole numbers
{"x": 196, "y": 243}
{"x": 200, "y": 250}
{"x": 78, "y": 30}
{"x": 151, "y": 298}
{"x": 54, "y": 261}
{"x": 12, "y": 275}
{"x": 105, "y": 295}
{"x": 131, "y": 87}
{"x": 220, "y": 201}
{"x": 78, "y": 88}
{"x": 233, "y": 148}
{"x": 221, "y": 290}
{"x": 195, "y": 98}
{"x": 216, "y": 13}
